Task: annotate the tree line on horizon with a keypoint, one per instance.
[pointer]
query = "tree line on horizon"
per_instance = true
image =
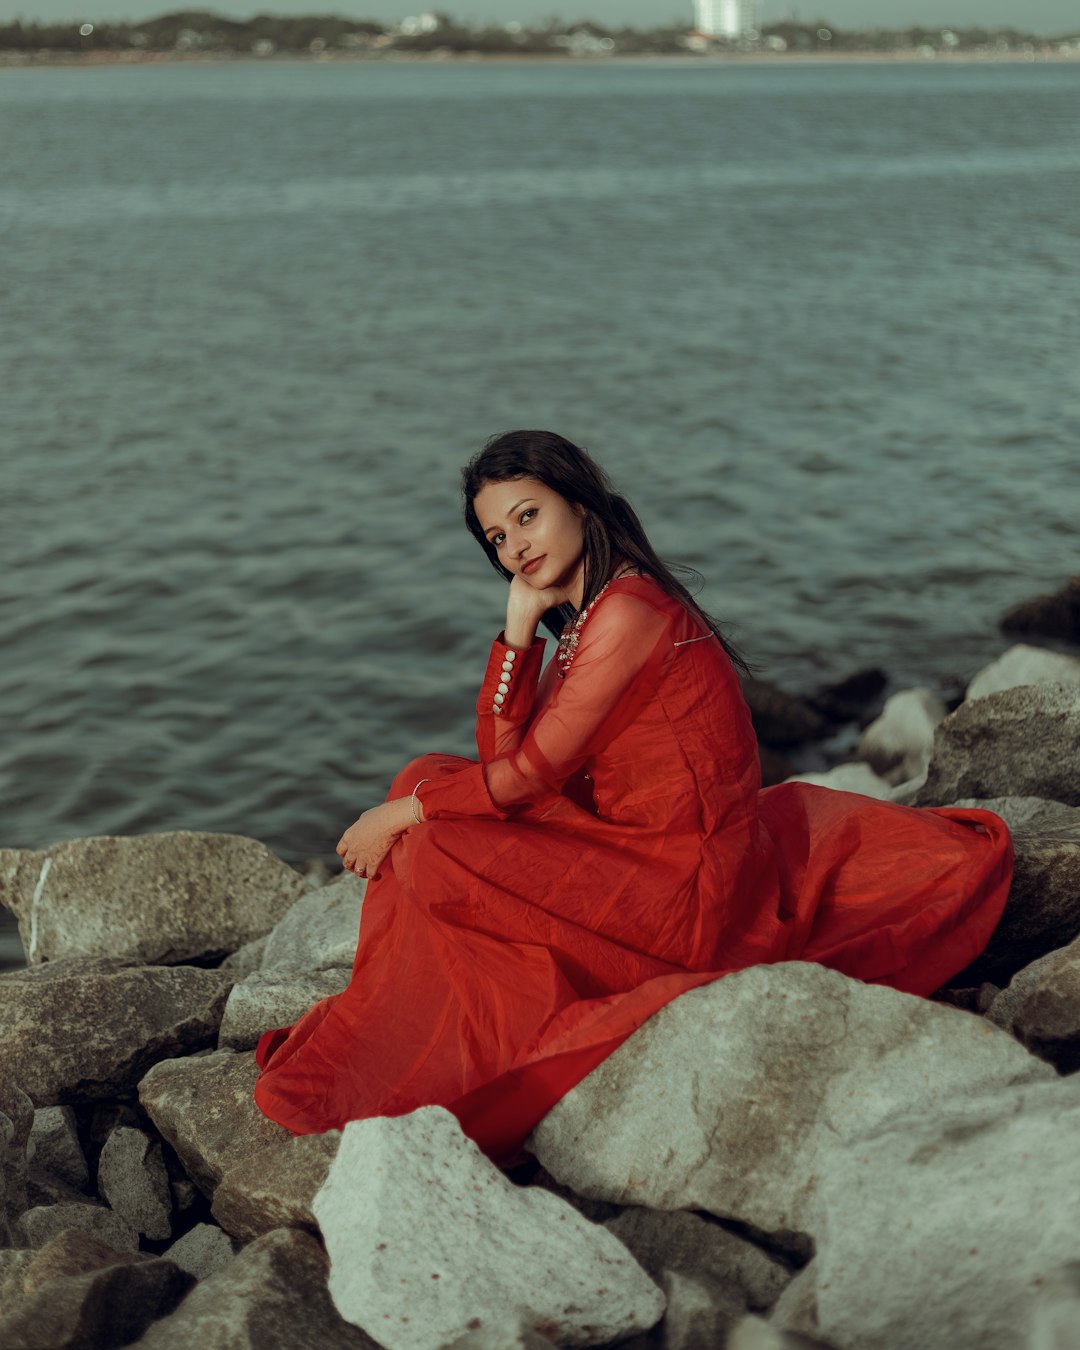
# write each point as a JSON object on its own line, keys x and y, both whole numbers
{"x": 202, "y": 30}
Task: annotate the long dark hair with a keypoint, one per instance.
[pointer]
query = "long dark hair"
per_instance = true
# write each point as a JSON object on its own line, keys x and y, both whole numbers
{"x": 612, "y": 532}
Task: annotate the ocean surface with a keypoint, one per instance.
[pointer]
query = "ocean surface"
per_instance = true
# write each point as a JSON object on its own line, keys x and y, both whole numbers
{"x": 819, "y": 321}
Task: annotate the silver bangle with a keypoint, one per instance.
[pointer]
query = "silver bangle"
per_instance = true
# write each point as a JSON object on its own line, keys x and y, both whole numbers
{"x": 412, "y": 800}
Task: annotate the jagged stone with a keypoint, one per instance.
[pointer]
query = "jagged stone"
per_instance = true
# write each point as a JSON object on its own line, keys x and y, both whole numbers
{"x": 259, "y": 1176}
{"x": 202, "y": 1251}
{"x": 1024, "y": 665}
{"x": 780, "y": 718}
{"x": 151, "y": 898}
{"x": 411, "y": 1210}
{"x": 101, "y": 1309}
{"x": 848, "y": 778}
{"x": 132, "y": 1178}
{"x": 320, "y": 931}
{"x": 754, "y": 1333}
{"x": 40, "y": 1225}
{"x": 16, "y": 1121}
{"x": 1056, "y": 615}
{"x": 14, "y": 1262}
{"x": 80, "y": 1030}
{"x": 53, "y": 1149}
{"x": 1042, "y": 912}
{"x": 1019, "y": 741}
{"x": 978, "y": 1204}
{"x": 72, "y": 1252}
{"x": 184, "y": 1195}
{"x": 698, "y": 1314}
{"x": 897, "y": 745}
{"x": 272, "y": 1294}
{"x": 726, "y": 1099}
{"x": 245, "y": 959}
{"x": 1005, "y": 1004}
{"x": 269, "y": 998}
{"x": 1041, "y": 1007}
{"x": 691, "y": 1245}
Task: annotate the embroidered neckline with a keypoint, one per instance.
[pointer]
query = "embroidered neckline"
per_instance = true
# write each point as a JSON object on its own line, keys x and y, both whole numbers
{"x": 571, "y": 634}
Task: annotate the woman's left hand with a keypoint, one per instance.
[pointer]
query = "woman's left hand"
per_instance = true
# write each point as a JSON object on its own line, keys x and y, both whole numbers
{"x": 367, "y": 841}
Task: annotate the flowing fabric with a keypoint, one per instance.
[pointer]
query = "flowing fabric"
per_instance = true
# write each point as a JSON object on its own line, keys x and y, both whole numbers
{"x": 612, "y": 849}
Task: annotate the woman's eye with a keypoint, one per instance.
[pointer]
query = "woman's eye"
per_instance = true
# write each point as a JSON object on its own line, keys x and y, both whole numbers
{"x": 497, "y": 540}
{"x": 529, "y": 511}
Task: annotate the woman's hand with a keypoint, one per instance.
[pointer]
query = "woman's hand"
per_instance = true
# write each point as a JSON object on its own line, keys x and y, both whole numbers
{"x": 367, "y": 841}
{"x": 526, "y": 606}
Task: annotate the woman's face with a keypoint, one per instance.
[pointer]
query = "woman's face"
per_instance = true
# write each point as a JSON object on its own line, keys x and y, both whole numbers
{"x": 536, "y": 533}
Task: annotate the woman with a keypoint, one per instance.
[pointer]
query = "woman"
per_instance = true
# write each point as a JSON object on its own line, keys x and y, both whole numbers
{"x": 611, "y": 849}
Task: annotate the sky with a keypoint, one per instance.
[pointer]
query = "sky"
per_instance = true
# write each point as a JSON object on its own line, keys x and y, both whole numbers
{"x": 1039, "y": 16}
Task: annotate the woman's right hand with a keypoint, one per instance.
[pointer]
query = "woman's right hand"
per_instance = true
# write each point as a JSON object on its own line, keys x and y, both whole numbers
{"x": 525, "y": 607}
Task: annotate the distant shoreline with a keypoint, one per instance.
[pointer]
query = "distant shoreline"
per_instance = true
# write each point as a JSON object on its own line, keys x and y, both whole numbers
{"x": 19, "y": 60}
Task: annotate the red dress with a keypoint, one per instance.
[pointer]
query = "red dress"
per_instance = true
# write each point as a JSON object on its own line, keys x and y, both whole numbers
{"x": 611, "y": 850}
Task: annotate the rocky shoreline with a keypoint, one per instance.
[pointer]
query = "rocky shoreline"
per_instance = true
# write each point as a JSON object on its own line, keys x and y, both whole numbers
{"x": 784, "y": 1158}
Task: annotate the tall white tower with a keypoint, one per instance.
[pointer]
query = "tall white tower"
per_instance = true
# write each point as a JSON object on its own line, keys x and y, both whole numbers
{"x": 725, "y": 18}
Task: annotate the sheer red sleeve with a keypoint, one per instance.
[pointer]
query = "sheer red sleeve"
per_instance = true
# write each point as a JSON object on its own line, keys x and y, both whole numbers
{"x": 620, "y": 651}
{"x": 505, "y": 702}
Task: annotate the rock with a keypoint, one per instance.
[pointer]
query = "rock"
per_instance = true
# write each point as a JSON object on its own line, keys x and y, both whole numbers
{"x": 245, "y": 959}
{"x": 149, "y": 898}
{"x": 849, "y": 778}
{"x": 411, "y": 1210}
{"x": 101, "y": 1309}
{"x": 727, "y": 1097}
{"x": 72, "y": 1252}
{"x": 13, "y": 1266}
{"x": 1041, "y": 1007}
{"x": 780, "y": 718}
{"x": 271, "y": 1295}
{"x": 1055, "y": 1321}
{"x": 184, "y": 1195}
{"x": 485, "y": 1338}
{"x": 898, "y": 744}
{"x": 1024, "y": 665}
{"x": 16, "y": 1121}
{"x": 202, "y": 1251}
{"x": 132, "y": 1178}
{"x": 1042, "y": 912}
{"x": 79, "y": 1030}
{"x": 697, "y": 1247}
{"x": 259, "y": 1176}
{"x": 697, "y": 1314}
{"x": 267, "y": 998}
{"x": 53, "y": 1149}
{"x": 41, "y": 1224}
{"x": 1056, "y": 615}
{"x": 1015, "y": 742}
{"x": 319, "y": 932}
{"x": 979, "y": 1204}
{"x": 754, "y": 1333}
{"x": 847, "y": 700}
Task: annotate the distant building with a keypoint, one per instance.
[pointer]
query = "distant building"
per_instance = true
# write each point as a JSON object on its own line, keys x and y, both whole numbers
{"x": 726, "y": 18}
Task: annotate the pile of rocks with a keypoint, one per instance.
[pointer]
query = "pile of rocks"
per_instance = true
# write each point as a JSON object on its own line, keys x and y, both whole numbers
{"x": 786, "y": 1157}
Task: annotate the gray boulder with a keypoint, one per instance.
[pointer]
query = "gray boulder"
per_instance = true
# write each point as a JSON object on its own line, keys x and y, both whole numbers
{"x": 320, "y": 931}
{"x": 132, "y": 1178}
{"x": 897, "y": 745}
{"x": 83, "y": 1030}
{"x": 16, "y": 1122}
{"x": 14, "y": 1262}
{"x": 1056, "y": 615}
{"x": 105, "y": 1307}
{"x": 150, "y": 898}
{"x": 1024, "y": 665}
{"x": 259, "y": 1176}
{"x": 271, "y": 998}
{"x": 1042, "y": 912}
{"x": 1020, "y": 741}
{"x": 271, "y": 1295}
{"x": 202, "y": 1251}
{"x": 40, "y": 1225}
{"x": 1041, "y": 1007}
{"x": 939, "y": 1233}
{"x": 727, "y": 1098}
{"x": 411, "y": 1212}
{"x": 53, "y": 1149}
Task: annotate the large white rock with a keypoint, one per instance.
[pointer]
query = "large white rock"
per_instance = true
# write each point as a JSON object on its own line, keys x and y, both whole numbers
{"x": 898, "y": 743}
{"x": 940, "y": 1234}
{"x": 727, "y": 1099}
{"x": 1024, "y": 665}
{"x": 155, "y": 898}
{"x": 428, "y": 1240}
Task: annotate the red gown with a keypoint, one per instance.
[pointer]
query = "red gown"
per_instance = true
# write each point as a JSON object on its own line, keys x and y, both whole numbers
{"x": 611, "y": 850}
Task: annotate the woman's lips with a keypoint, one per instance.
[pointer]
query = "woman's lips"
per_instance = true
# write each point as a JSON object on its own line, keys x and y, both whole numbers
{"x": 533, "y": 564}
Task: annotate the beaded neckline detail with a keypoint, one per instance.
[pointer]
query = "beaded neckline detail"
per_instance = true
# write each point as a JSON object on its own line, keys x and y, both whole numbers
{"x": 571, "y": 634}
